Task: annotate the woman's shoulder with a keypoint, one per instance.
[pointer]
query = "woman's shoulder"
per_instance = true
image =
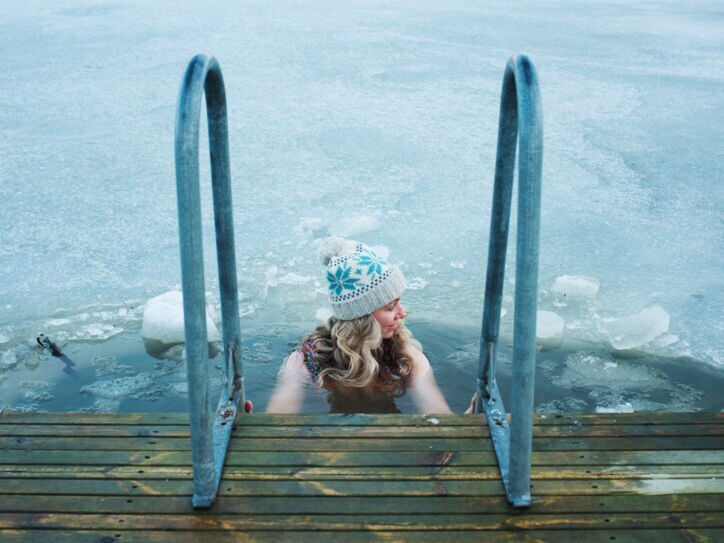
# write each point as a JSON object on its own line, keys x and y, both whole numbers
{"x": 420, "y": 363}
{"x": 295, "y": 364}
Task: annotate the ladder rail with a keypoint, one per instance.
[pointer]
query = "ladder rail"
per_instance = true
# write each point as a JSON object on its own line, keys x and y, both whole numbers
{"x": 520, "y": 126}
{"x": 210, "y": 430}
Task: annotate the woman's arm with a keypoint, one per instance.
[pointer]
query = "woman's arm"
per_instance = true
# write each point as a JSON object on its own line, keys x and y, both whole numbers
{"x": 423, "y": 388}
{"x": 288, "y": 396}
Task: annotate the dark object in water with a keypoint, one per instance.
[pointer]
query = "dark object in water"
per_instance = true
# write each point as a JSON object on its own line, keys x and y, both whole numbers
{"x": 52, "y": 348}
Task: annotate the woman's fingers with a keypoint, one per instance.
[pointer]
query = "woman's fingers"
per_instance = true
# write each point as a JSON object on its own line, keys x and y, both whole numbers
{"x": 471, "y": 409}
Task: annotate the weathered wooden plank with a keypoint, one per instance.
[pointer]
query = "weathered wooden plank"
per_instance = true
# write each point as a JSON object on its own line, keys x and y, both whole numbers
{"x": 641, "y": 417}
{"x": 441, "y": 505}
{"x": 264, "y": 419}
{"x": 10, "y": 433}
{"x": 152, "y": 458}
{"x": 285, "y": 487}
{"x": 433, "y": 457}
{"x": 181, "y": 445}
{"x": 442, "y": 473}
{"x": 582, "y": 445}
{"x": 93, "y": 419}
{"x": 390, "y": 444}
{"x": 282, "y": 438}
{"x": 393, "y": 521}
{"x": 58, "y": 430}
{"x": 628, "y": 430}
{"x": 271, "y": 431}
{"x": 598, "y": 535}
{"x": 90, "y": 431}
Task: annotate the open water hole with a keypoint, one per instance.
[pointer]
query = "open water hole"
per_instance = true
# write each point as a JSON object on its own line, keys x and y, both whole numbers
{"x": 121, "y": 374}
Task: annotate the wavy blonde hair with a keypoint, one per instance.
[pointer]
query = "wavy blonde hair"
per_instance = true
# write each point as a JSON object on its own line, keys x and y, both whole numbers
{"x": 351, "y": 352}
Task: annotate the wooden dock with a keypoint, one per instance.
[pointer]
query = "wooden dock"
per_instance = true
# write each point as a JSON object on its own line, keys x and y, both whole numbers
{"x": 74, "y": 477}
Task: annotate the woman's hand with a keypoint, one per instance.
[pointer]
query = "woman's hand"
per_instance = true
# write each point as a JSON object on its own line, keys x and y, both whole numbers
{"x": 471, "y": 409}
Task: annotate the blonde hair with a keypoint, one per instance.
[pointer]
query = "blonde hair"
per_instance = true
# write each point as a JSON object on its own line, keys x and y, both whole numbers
{"x": 351, "y": 352}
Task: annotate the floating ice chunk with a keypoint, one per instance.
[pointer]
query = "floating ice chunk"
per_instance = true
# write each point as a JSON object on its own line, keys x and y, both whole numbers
{"x": 32, "y": 361}
{"x": 576, "y": 288}
{"x": 457, "y": 265}
{"x": 294, "y": 279}
{"x": 98, "y": 331}
{"x": 666, "y": 340}
{"x": 36, "y": 385}
{"x": 587, "y": 370}
{"x": 416, "y": 283}
{"x": 104, "y": 364}
{"x": 163, "y": 320}
{"x": 638, "y": 329}
{"x": 247, "y": 310}
{"x": 353, "y": 226}
{"x": 8, "y": 360}
{"x": 4, "y": 338}
{"x": 182, "y": 387}
{"x": 114, "y": 389}
{"x": 309, "y": 225}
{"x": 38, "y": 396}
{"x": 61, "y": 322}
{"x": 103, "y": 406}
{"x": 549, "y": 327}
{"x": 270, "y": 274}
{"x": 625, "y": 407}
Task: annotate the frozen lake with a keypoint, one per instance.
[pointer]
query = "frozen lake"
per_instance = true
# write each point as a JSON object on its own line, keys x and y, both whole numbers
{"x": 377, "y": 122}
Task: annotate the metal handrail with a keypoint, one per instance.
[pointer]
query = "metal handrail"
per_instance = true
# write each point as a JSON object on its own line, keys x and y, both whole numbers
{"x": 520, "y": 125}
{"x": 210, "y": 432}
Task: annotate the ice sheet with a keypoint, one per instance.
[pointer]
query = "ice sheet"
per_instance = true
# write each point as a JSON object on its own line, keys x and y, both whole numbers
{"x": 371, "y": 121}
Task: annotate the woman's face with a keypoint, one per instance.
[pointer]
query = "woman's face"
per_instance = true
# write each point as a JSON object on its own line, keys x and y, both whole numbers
{"x": 388, "y": 317}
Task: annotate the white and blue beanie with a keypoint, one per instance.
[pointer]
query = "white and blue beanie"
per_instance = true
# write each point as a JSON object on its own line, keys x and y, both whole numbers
{"x": 360, "y": 281}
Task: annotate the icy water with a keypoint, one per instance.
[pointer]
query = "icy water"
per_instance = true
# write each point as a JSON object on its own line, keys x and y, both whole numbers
{"x": 375, "y": 121}
{"x": 121, "y": 374}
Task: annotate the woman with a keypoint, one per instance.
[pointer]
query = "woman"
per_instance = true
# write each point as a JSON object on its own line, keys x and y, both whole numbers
{"x": 363, "y": 357}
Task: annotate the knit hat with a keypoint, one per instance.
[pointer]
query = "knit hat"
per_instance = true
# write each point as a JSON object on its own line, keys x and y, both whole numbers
{"x": 360, "y": 280}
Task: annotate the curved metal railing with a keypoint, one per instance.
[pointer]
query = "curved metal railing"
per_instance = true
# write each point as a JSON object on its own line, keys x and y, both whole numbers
{"x": 520, "y": 126}
{"x": 210, "y": 431}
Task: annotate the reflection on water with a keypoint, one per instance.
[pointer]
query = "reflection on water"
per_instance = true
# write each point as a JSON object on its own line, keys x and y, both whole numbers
{"x": 120, "y": 374}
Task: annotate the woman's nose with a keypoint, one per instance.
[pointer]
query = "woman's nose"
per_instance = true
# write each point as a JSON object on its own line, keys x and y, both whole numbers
{"x": 401, "y": 313}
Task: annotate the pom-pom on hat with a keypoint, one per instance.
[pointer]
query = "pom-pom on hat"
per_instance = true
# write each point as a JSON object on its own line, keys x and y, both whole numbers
{"x": 360, "y": 281}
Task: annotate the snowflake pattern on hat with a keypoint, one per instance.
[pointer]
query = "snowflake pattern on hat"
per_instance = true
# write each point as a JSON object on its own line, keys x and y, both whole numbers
{"x": 341, "y": 280}
{"x": 361, "y": 281}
